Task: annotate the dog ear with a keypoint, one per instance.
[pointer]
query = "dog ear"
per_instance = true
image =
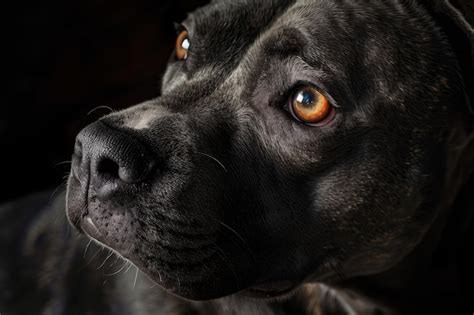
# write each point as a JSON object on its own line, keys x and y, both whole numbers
{"x": 456, "y": 18}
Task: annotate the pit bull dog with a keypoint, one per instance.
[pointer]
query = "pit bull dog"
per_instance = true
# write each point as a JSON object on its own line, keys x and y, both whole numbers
{"x": 305, "y": 157}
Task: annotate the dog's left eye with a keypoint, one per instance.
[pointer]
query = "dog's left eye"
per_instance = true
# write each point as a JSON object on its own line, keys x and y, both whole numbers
{"x": 310, "y": 106}
{"x": 182, "y": 45}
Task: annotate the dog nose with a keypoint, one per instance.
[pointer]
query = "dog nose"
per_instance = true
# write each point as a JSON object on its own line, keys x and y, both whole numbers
{"x": 109, "y": 159}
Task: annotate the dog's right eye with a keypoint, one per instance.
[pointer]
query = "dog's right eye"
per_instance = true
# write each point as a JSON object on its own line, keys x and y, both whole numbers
{"x": 182, "y": 45}
{"x": 310, "y": 106}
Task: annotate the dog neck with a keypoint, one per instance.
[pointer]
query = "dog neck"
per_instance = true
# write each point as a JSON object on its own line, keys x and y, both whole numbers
{"x": 430, "y": 276}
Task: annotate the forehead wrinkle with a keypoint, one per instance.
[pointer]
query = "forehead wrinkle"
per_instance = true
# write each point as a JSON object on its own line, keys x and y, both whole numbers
{"x": 236, "y": 24}
{"x": 253, "y": 52}
{"x": 245, "y": 114}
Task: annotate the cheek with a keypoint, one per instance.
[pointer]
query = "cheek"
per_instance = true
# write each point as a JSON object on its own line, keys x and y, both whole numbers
{"x": 362, "y": 219}
{"x": 365, "y": 195}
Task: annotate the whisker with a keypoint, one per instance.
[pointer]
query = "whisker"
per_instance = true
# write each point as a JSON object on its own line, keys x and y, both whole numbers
{"x": 105, "y": 260}
{"x": 117, "y": 258}
{"x": 214, "y": 159}
{"x": 100, "y": 107}
{"x": 129, "y": 268}
{"x": 87, "y": 247}
{"x": 136, "y": 276}
{"x": 118, "y": 271}
{"x": 64, "y": 162}
{"x": 56, "y": 191}
{"x": 95, "y": 255}
{"x": 90, "y": 260}
{"x": 240, "y": 237}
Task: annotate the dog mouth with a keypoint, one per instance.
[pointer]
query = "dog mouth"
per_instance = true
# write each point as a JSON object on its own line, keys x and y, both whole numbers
{"x": 122, "y": 232}
{"x": 169, "y": 250}
{"x": 270, "y": 290}
{"x": 176, "y": 261}
{"x": 191, "y": 273}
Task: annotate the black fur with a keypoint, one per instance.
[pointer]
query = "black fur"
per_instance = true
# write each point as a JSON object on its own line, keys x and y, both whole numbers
{"x": 218, "y": 196}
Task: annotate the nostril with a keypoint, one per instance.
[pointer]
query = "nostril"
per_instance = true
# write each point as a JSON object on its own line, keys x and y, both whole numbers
{"x": 124, "y": 171}
{"x": 110, "y": 160}
{"x": 108, "y": 168}
{"x": 136, "y": 172}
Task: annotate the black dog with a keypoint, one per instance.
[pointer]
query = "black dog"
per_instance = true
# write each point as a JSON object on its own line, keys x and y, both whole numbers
{"x": 305, "y": 157}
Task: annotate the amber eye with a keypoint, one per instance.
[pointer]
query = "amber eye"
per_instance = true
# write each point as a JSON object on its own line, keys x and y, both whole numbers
{"x": 309, "y": 106}
{"x": 182, "y": 45}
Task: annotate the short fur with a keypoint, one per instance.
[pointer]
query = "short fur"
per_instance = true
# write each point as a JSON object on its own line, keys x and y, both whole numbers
{"x": 213, "y": 199}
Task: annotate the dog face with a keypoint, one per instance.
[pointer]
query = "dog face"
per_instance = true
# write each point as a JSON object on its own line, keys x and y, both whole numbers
{"x": 293, "y": 141}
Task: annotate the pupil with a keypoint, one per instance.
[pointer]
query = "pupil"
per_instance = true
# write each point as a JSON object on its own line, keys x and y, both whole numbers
{"x": 305, "y": 98}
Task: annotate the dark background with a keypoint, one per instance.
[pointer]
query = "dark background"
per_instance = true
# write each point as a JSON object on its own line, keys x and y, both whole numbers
{"x": 66, "y": 58}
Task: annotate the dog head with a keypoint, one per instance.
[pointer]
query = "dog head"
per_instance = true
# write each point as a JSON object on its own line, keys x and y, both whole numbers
{"x": 293, "y": 140}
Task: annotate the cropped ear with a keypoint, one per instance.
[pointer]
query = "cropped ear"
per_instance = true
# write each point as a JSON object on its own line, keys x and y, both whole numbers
{"x": 456, "y": 18}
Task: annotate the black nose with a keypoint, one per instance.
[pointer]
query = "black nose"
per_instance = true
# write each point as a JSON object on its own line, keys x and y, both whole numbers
{"x": 109, "y": 159}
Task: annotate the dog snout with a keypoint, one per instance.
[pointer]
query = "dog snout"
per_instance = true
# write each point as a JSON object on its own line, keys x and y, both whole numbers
{"x": 107, "y": 160}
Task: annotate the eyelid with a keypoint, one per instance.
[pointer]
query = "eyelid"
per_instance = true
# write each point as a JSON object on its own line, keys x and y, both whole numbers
{"x": 318, "y": 86}
{"x": 177, "y": 27}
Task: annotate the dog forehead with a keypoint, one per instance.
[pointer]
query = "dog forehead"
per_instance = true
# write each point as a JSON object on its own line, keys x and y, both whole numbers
{"x": 238, "y": 44}
{"x": 247, "y": 28}
{"x": 326, "y": 31}
{"x": 242, "y": 22}
{"x": 243, "y": 34}
{"x": 286, "y": 37}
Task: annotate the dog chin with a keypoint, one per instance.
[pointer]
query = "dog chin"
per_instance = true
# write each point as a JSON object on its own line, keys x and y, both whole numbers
{"x": 204, "y": 276}
{"x": 187, "y": 280}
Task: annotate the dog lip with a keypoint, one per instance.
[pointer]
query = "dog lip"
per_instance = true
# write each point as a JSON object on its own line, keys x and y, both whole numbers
{"x": 271, "y": 289}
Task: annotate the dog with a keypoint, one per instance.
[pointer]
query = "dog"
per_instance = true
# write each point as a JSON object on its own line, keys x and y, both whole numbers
{"x": 304, "y": 157}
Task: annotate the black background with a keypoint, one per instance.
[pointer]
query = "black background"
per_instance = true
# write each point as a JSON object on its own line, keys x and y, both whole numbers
{"x": 66, "y": 58}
